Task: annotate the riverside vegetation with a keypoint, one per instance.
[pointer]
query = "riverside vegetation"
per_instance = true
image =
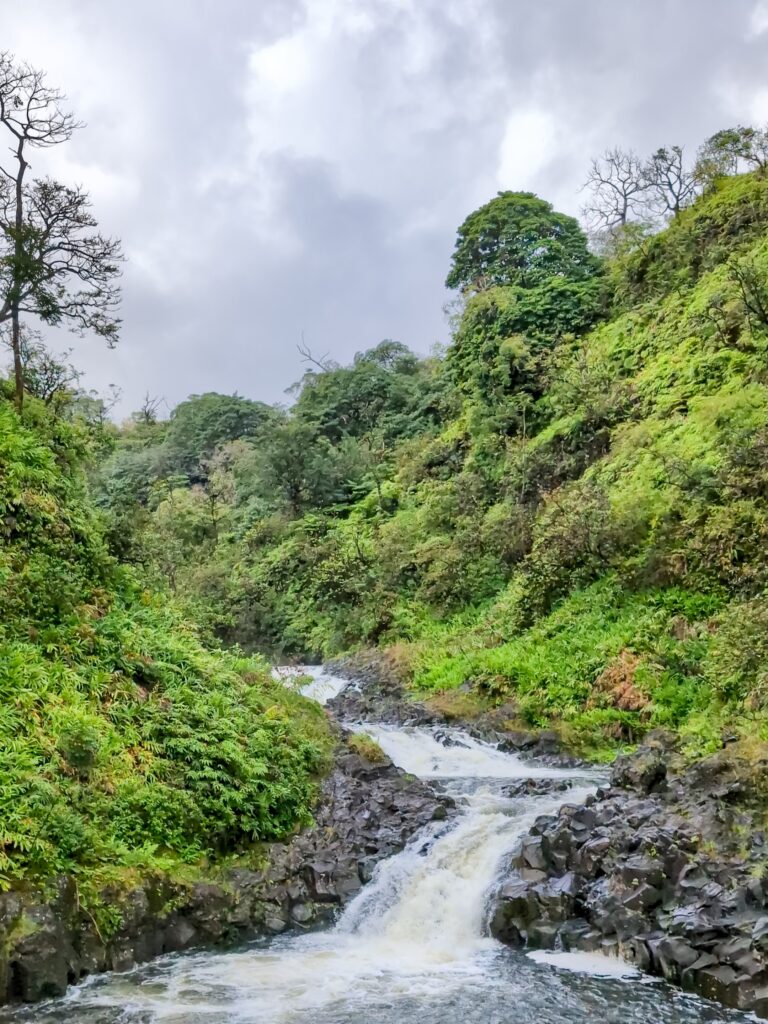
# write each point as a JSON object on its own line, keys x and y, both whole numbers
{"x": 562, "y": 514}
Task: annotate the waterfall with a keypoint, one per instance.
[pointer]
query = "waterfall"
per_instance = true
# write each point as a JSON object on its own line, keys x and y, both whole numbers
{"x": 411, "y": 946}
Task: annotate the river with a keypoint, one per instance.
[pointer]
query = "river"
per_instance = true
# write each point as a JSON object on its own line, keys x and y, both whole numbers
{"x": 412, "y": 946}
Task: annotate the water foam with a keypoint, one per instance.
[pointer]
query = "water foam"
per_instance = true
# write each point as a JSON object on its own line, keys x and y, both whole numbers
{"x": 411, "y": 945}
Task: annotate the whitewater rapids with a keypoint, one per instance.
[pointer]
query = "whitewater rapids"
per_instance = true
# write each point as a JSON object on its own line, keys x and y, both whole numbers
{"x": 412, "y": 946}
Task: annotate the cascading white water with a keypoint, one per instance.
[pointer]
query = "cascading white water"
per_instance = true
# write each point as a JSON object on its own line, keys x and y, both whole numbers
{"x": 429, "y": 906}
{"x": 322, "y": 685}
{"x": 411, "y": 946}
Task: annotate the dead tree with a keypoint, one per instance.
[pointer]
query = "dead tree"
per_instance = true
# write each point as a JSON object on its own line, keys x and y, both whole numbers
{"x": 619, "y": 188}
{"x": 53, "y": 265}
{"x": 672, "y": 184}
{"x": 149, "y": 412}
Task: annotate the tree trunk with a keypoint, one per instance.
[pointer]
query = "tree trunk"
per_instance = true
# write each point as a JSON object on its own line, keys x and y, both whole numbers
{"x": 18, "y": 368}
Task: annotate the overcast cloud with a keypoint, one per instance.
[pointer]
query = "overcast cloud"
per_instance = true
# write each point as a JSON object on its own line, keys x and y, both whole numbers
{"x": 277, "y": 167}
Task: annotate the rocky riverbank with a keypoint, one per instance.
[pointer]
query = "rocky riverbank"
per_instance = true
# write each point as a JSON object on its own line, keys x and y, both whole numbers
{"x": 667, "y": 867}
{"x": 376, "y": 694}
{"x": 367, "y": 811}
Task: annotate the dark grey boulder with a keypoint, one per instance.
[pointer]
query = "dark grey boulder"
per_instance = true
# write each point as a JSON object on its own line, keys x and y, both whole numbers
{"x": 660, "y": 868}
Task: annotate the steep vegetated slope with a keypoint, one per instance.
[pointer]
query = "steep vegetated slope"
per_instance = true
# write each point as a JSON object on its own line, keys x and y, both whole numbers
{"x": 564, "y": 512}
{"x": 126, "y": 745}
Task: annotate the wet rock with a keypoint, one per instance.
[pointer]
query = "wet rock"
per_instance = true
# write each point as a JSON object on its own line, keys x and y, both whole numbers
{"x": 543, "y": 934}
{"x": 637, "y": 871}
{"x": 180, "y": 935}
{"x": 41, "y": 959}
{"x": 720, "y": 983}
{"x": 661, "y": 867}
{"x": 536, "y": 787}
{"x": 576, "y": 934}
{"x": 760, "y": 935}
{"x": 533, "y": 853}
{"x": 673, "y": 956}
{"x": 366, "y": 812}
{"x": 588, "y": 861}
{"x": 646, "y": 771}
{"x": 643, "y": 898}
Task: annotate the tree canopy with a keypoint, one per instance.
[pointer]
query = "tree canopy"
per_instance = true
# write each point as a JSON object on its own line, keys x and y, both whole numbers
{"x": 54, "y": 265}
{"x": 518, "y": 239}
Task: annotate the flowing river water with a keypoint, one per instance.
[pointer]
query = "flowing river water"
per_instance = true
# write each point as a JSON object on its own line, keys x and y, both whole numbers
{"x": 411, "y": 947}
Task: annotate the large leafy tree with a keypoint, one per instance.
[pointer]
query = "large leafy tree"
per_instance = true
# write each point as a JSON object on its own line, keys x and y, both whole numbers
{"x": 732, "y": 150}
{"x": 205, "y": 422}
{"x": 381, "y": 391}
{"x": 519, "y": 239}
{"x": 53, "y": 263}
{"x": 529, "y": 279}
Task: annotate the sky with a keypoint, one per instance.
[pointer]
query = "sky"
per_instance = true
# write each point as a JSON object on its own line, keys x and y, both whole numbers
{"x": 281, "y": 170}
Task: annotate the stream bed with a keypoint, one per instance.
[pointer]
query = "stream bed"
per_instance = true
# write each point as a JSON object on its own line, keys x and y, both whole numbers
{"x": 412, "y": 946}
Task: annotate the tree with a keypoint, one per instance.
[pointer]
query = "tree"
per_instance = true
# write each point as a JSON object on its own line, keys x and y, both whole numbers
{"x": 52, "y": 379}
{"x": 729, "y": 150}
{"x": 618, "y": 187}
{"x": 299, "y": 469}
{"x": 539, "y": 283}
{"x": 203, "y": 423}
{"x": 671, "y": 183}
{"x": 749, "y": 276}
{"x": 518, "y": 239}
{"x": 149, "y": 412}
{"x": 53, "y": 264}
{"x": 382, "y": 391}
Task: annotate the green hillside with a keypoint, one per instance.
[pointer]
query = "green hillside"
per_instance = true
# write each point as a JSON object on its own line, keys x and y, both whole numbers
{"x": 126, "y": 744}
{"x": 564, "y": 510}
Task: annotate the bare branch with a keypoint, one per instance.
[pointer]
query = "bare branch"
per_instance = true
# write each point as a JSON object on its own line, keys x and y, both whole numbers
{"x": 323, "y": 363}
{"x": 618, "y": 189}
{"x": 31, "y": 110}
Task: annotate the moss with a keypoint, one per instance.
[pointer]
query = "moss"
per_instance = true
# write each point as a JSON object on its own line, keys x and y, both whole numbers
{"x": 455, "y": 705}
{"x": 21, "y": 929}
{"x": 367, "y": 748}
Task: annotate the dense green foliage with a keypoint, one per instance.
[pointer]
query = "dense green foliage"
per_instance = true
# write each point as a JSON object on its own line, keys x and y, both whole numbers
{"x": 124, "y": 741}
{"x": 518, "y": 240}
{"x": 563, "y": 515}
{"x": 567, "y": 510}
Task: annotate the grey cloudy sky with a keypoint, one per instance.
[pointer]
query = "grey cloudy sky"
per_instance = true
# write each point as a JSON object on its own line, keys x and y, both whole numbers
{"x": 277, "y": 166}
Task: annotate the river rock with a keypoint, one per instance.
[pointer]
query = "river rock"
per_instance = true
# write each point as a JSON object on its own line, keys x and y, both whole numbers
{"x": 657, "y": 868}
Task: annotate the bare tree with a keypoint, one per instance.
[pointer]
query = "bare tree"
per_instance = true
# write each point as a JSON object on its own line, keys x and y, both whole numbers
{"x": 671, "y": 183}
{"x": 149, "y": 411}
{"x": 618, "y": 188}
{"x": 52, "y": 264}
